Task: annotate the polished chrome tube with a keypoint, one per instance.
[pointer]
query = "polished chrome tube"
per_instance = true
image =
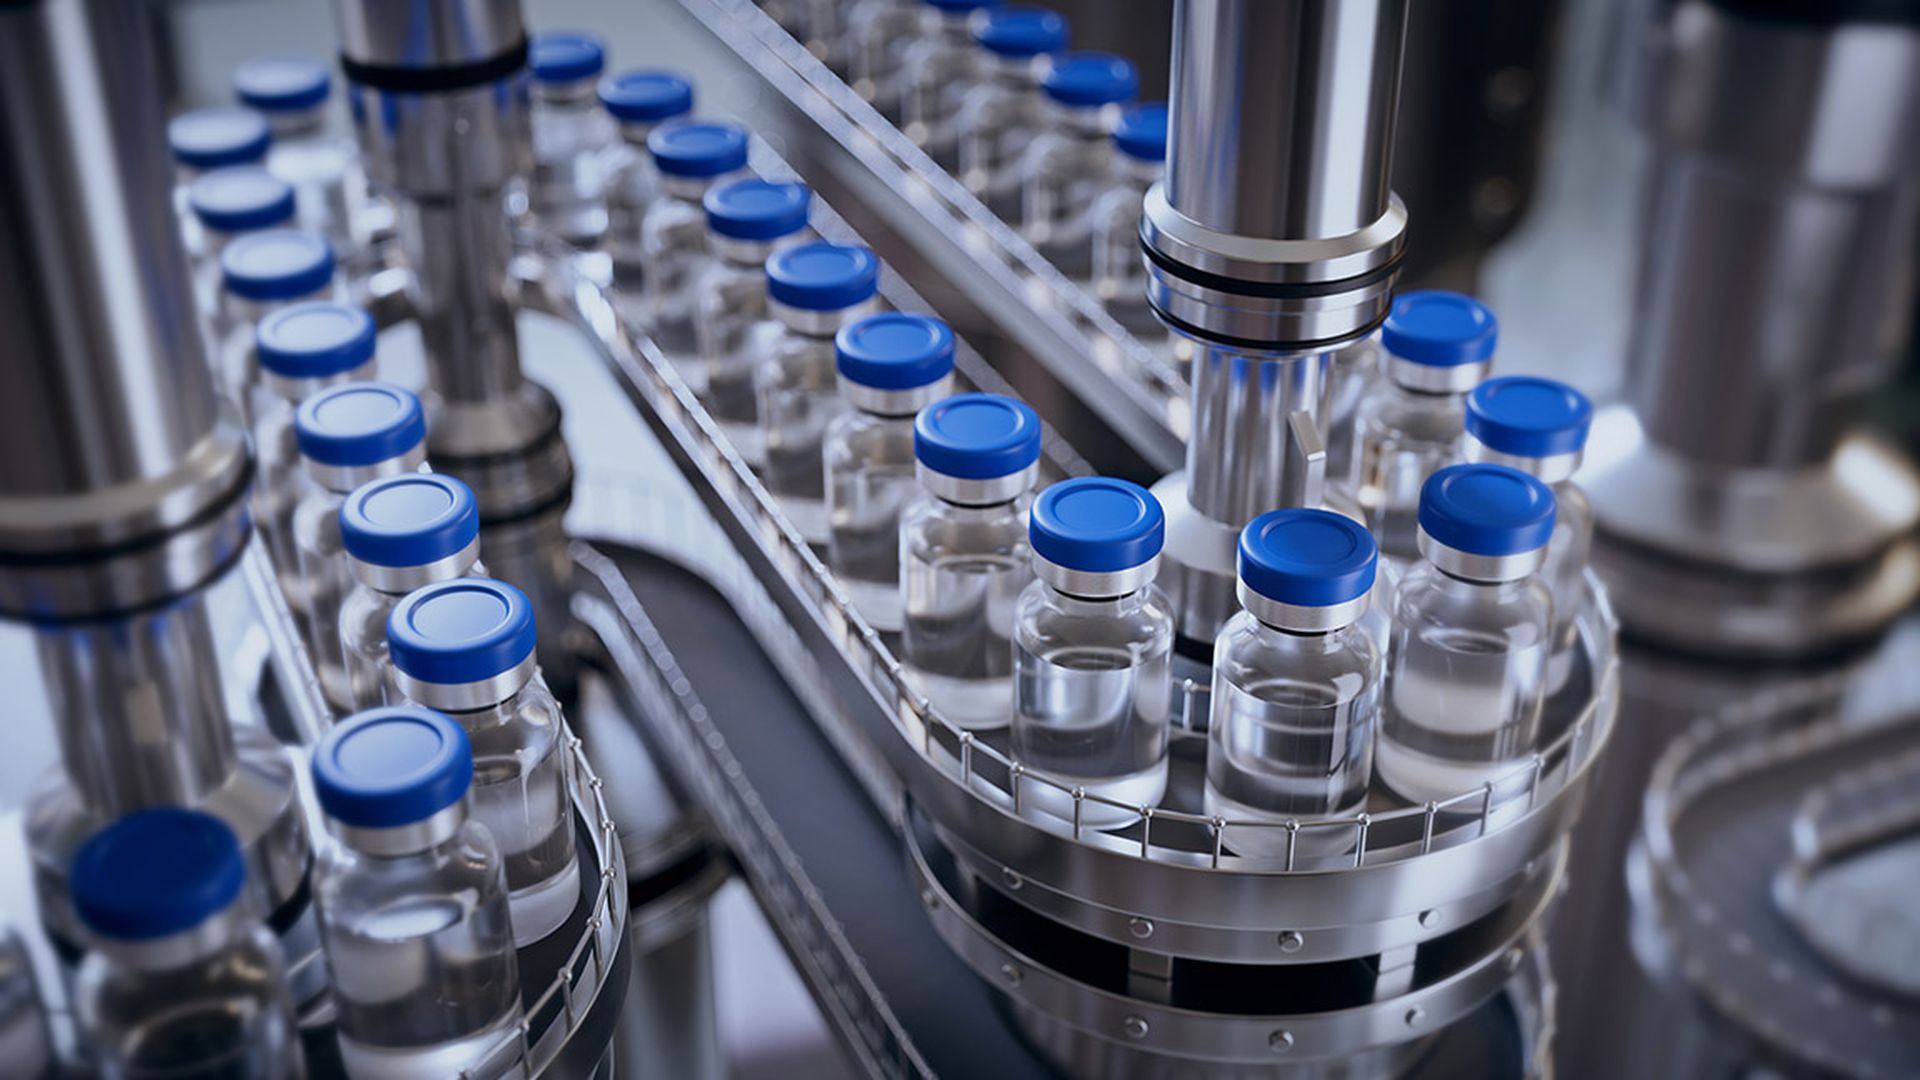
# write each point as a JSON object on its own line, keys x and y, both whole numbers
{"x": 1284, "y": 115}
{"x": 120, "y": 477}
{"x": 440, "y": 92}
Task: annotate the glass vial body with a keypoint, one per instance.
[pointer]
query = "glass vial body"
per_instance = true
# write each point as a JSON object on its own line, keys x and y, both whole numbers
{"x": 691, "y": 157}
{"x": 881, "y": 32}
{"x": 1291, "y": 732}
{"x": 1065, "y": 170}
{"x": 1119, "y": 275}
{"x": 962, "y": 569}
{"x": 1403, "y": 436}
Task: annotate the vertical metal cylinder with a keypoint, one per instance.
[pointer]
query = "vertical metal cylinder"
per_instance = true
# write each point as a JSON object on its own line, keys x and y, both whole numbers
{"x": 1273, "y": 241}
{"x": 1776, "y": 279}
{"x": 120, "y": 478}
{"x": 1284, "y": 114}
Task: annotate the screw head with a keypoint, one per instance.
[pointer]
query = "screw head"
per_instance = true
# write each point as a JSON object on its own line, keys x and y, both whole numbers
{"x": 1280, "y": 1041}
{"x": 1139, "y": 927}
{"x": 1010, "y": 973}
{"x": 1135, "y": 1027}
{"x": 1010, "y": 879}
{"x": 1292, "y": 941}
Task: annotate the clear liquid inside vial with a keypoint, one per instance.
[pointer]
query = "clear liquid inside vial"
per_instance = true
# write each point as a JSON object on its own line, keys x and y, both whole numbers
{"x": 962, "y": 570}
{"x": 1465, "y": 680}
{"x": 1291, "y": 734}
{"x": 1403, "y": 438}
{"x": 1091, "y": 694}
{"x": 870, "y": 481}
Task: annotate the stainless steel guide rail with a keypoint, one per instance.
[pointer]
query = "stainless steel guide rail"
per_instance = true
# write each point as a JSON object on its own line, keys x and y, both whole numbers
{"x": 1136, "y": 387}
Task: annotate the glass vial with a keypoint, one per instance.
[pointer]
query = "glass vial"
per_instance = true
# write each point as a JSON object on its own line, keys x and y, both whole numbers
{"x": 999, "y": 118}
{"x": 226, "y": 205}
{"x": 1472, "y": 628}
{"x": 301, "y": 350}
{"x": 466, "y": 648}
{"x": 1438, "y": 346}
{"x": 690, "y": 157}
{"x": 1071, "y": 162}
{"x": 1296, "y": 685}
{"x": 890, "y": 366}
{"x": 747, "y": 221}
{"x": 1092, "y": 645}
{"x": 1119, "y": 271}
{"x": 1539, "y": 426}
{"x": 937, "y": 72}
{"x": 400, "y": 534}
{"x": 349, "y": 435}
{"x": 814, "y": 292}
{"x": 964, "y": 556}
{"x": 638, "y": 101}
{"x": 322, "y": 163}
{"x": 182, "y": 978}
{"x": 567, "y": 191}
{"x": 414, "y": 915}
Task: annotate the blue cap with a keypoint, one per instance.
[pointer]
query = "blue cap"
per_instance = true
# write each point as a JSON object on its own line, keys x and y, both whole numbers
{"x": 240, "y": 198}
{"x": 1097, "y": 524}
{"x": 1528, "y": 416}
{"x": 698, "y": 149}
{"x": 1090, "y": 78}
{"x": 1486, "y": 510}
{"x": 315, "y": 340}
{"x": 823, "y": 276}
{"x": 646, "y": 97}
{"x": 212, "y": 138}
{"x": 977, "y": 436}
{"x": 409, "y": 520}
{"x": 362, "y": 423}
{"x": 384, "y": 768}
{"x": 894, "y": 351}
{"x": 564, "y": 56}
{"x": 1307, "y": 558}
{"x": 1021, "y": 31}
{"x": 282, "y": 83}
{"x": 155, "y": 873}
{"x": 278, "y": 264}
{"x": 461, "y": 631}
{"x": 757, "y": 209}
{"x": 1142, "y": 132}
{"x": 1440, "y": 329}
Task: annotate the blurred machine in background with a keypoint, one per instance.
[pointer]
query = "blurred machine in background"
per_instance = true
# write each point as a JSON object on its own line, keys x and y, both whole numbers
{"x": 1702, "y": 863}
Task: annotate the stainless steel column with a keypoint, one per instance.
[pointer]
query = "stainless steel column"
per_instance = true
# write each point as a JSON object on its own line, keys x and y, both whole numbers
{"x": 1747, "y": 512}
{"x": 122, "y": 475}
{"x": 440, "y": 92}
{"x": 1273, "y": 241}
